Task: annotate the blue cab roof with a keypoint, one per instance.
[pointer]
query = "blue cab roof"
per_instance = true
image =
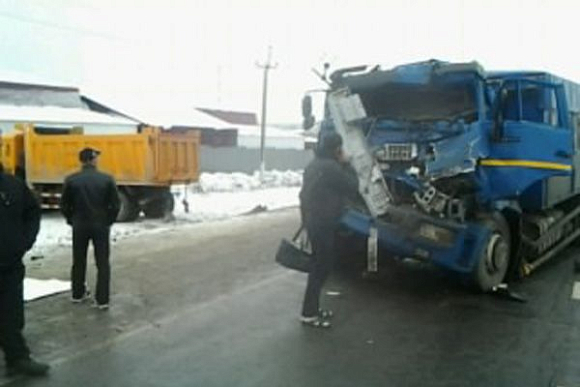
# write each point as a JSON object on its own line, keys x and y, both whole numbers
{"x": 362, "y": 77}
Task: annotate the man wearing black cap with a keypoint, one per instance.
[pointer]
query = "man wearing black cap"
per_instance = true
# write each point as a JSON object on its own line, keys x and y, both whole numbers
{"x": 90, "y": 205}
{"x": 328, "y": 181}
{"x": 19, "y": 225}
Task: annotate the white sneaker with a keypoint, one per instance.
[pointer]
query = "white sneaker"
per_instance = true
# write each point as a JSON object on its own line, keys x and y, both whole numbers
{"x": 100, "y": 306}
{"x": 85, "y": 297}
{"x": 315, "y": 322}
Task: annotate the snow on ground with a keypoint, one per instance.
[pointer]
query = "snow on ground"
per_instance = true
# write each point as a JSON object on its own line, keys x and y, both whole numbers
{"x": 235, "y": 182}
{"x": 36, "y": 288}
{"x": 216, "y": 196}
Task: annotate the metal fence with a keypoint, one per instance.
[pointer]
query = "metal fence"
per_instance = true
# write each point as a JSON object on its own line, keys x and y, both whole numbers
{"x": 233, "y": 159}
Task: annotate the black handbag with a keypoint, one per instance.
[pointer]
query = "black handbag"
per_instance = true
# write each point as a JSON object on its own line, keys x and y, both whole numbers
{"x": 296, "y": 253}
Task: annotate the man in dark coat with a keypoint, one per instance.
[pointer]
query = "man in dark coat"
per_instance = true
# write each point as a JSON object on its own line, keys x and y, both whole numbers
{"x": 90, "y": 204}
{"x": 19, "y": 225}
{"x": 328, "y": 181}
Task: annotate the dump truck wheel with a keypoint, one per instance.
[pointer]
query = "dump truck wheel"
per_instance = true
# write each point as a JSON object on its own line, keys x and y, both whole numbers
{"x": 159, "y": 207}
{"x": 129, "y": 210}
{"x": 493, "y": 263}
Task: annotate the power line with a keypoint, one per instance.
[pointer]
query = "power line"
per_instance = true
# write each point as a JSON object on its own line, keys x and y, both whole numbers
{"x": 44, "y": 23}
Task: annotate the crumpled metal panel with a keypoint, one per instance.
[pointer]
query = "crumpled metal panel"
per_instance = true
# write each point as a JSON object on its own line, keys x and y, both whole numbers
{"x": 420, "y": 73}
{"x": 458, "y": 154}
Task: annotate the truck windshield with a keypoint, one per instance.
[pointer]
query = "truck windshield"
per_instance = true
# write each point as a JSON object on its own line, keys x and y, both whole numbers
{"x": 433, "y": 102}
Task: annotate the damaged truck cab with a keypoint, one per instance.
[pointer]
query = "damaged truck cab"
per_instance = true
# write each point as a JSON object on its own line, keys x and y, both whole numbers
{"x": 478, "y": 170}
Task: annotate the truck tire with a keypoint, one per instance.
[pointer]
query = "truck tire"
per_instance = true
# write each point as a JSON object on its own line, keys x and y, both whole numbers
{"x": 493, "y": 262}
{"x": 160, "y": 206}
{"x": 129, "y": 210}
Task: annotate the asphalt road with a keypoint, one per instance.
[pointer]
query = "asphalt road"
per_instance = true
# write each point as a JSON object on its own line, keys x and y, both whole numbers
{"x": 207, "y": 306}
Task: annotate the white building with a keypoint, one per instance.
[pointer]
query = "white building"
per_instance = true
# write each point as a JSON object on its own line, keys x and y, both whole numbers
{"x": 250, "y": 136}
{"x": 57, "y": 107}
{"x": 249, "y": 131}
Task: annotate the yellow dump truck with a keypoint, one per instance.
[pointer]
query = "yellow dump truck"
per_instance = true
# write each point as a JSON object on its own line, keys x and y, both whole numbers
{"x": 144, "y": 164}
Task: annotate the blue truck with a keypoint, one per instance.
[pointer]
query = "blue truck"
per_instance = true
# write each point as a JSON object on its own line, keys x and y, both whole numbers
{"x": 481, "y": 169}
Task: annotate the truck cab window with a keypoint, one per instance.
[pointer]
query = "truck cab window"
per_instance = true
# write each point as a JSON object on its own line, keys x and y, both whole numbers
{"x": 437, "y": 101}
{"x": 530, "y": 102}
{"x": 531, "y": 105}
{"x": 510, "y": 104}
{"x": 551, "y": 108}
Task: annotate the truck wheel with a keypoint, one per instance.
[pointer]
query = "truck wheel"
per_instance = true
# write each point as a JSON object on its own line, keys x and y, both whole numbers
{"x": 493, "y": 262}
{"x": 160, "y": 206}
{"x": 129, "y": 210}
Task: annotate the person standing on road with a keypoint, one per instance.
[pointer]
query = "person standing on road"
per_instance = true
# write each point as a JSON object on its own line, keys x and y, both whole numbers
{"x": 90, "y": 204}
{"x": 328, "y": 181}
{"x": 19, "y": 225}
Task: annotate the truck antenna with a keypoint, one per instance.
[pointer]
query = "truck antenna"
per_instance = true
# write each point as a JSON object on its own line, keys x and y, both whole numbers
{"x": 322, "y": 75}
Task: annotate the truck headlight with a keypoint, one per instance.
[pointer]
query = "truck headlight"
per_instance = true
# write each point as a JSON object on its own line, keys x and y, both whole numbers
{"x": 436, "y": 233}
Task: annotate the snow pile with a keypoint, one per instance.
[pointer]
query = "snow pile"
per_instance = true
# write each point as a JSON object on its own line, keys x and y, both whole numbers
{"x": 221, "y": 205}
{"x": 235, "y": 182}
{"x": 216, "y": 196}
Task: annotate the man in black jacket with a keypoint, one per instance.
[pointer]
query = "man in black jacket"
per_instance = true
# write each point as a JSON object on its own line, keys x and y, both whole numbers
{"x": 19, "y": 225}
{"x": 328, "y": 181}
{"x": 90, "y": 204}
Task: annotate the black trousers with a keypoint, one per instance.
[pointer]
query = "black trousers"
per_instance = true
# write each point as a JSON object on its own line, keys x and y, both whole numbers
{"x": 99, "y": 235}
{"x": 12, "y": 314}
{"x": 322, "y": 239}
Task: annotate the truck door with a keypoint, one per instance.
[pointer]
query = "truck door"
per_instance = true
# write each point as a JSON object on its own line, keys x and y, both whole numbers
{"x": 533, "y": 135}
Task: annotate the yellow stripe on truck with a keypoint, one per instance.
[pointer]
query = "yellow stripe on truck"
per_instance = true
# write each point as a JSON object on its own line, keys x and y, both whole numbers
{"x": 525, "y": 164}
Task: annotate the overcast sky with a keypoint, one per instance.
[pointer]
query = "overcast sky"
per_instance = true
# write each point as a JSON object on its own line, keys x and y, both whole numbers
{"x": 155, "y": 54}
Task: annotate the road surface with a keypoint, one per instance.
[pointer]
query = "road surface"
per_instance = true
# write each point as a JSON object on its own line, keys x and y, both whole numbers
{"x": 207, "y": 306}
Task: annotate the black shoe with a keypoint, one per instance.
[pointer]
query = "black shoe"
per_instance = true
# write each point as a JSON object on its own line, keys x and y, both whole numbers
{"x": 27, "y": 367}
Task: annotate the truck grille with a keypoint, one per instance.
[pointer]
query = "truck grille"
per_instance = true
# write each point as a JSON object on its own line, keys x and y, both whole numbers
{"x": 399, "y": 152}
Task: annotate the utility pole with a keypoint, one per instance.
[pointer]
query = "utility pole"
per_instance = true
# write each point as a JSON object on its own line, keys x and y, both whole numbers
{"x": 266, "y": 67}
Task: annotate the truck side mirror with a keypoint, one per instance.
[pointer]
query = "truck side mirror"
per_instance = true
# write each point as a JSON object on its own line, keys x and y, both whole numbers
{"x": 308, "y": 117}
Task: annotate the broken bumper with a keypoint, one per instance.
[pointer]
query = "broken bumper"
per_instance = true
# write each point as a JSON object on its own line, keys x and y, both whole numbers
{"x": 411, "y": 234}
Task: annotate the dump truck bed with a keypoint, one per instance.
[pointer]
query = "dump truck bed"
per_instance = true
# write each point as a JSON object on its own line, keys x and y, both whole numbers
{"x": 149, "y": 158}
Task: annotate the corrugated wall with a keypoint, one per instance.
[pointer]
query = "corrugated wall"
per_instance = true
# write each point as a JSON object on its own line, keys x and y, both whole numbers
{"x": 248, "y": 160}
